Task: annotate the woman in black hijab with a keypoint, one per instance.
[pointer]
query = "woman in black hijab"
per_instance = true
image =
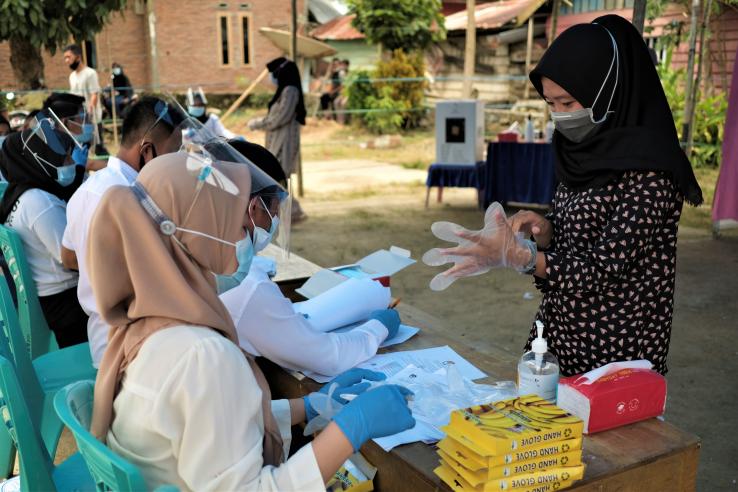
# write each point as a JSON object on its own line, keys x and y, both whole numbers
{"x": 606, "y": 252}
{"x": 41, "y": 178}
{"x": 282, "y": 122}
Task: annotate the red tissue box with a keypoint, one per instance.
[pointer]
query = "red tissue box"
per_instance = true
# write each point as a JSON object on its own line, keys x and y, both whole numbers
{"x": 621, "y": 396}
{"x": 507, "y": 137}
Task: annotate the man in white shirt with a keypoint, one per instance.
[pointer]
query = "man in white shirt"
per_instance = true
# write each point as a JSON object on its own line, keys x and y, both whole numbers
{"x": 150, "y": 129}
{"x": 83, "y": 81}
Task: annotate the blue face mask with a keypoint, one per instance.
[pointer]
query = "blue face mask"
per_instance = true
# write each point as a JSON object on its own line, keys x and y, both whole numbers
{"x": 244, "y": 255}
{"x": 65, "y": 174}
{"x": 196, "y": 111}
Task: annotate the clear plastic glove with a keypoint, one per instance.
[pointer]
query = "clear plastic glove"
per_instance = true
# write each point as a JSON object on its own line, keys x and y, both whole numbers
{"x": 79, "y": 155}
{"x": 493, "y": 246}
{"x": 380, "y": 412}
{"x": 389, "y": 318}
{"x": 354, "y": 381}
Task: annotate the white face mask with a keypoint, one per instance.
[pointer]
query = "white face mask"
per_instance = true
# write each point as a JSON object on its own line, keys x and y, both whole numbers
{"x": 262, "y": 237}
{"x": 578, "y": 125}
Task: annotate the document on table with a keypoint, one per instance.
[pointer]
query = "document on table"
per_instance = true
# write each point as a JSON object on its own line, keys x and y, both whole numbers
{"x": 429, "y": 360}
{"x": 345, "y": 304}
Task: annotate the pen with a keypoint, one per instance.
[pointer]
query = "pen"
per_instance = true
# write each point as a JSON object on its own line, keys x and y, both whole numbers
{"x": 394, "y": 303}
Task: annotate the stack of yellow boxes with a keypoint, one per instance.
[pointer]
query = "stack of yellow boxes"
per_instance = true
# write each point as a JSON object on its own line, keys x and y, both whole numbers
{"x": 523, "y": 444}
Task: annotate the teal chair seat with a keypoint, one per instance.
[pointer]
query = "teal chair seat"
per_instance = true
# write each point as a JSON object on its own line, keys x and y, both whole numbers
{"x": 73, "y": 404}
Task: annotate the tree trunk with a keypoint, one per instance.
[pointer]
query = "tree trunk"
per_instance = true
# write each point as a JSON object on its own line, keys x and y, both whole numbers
{"x": 639, "y": 15}
{"x": 27, "y": 63}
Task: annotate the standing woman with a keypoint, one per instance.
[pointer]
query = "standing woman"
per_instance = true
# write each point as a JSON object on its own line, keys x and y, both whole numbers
{"x": 41, "y": 178}
{"x": 282, "y": 122}
{"x": 607, "y": 249}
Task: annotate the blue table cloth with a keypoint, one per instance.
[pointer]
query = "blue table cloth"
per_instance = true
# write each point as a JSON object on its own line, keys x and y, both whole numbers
{"x": 517, "y": 172}
{"x": 453, "y": 175}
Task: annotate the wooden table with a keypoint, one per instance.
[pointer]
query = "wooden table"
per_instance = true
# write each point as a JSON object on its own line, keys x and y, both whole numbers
{"x": 647, "y": 456}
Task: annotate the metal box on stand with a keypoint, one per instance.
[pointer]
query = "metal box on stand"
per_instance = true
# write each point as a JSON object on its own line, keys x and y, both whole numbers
{"x": 459, "y": 132}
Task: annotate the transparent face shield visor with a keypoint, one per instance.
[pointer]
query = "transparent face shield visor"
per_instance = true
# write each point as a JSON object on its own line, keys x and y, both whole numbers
{"x": 46, "y": 130}
{"x": 197, "y": 140}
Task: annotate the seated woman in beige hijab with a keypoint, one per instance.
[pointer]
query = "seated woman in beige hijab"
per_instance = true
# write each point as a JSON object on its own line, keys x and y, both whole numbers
{"x": 174, "y": 394}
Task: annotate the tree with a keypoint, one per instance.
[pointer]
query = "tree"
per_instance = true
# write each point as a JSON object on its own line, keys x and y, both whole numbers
{"x": 408, "y": 25}
{"x": 33, "y": 25}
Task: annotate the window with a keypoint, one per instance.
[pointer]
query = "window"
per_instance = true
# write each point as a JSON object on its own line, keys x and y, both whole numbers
{"x": 582, "y": 6}
{"x": 224, "y": 37}
{"x": 90, "y": 53}
{"x": 246, "y": 38}
{"x": 658, "y": 47}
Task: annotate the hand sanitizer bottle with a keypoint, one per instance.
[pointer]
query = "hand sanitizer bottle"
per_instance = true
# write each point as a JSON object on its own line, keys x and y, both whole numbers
{"x": 538, "y": 370}
{"x": 530, "y": 131}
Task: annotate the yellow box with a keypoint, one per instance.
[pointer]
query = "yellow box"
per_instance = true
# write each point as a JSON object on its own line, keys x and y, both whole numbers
{"x": 514, "y": 424}
{"x": 545, "y": 481}
{"x": 479, "y": 477}
{"x": 460, "y": 449}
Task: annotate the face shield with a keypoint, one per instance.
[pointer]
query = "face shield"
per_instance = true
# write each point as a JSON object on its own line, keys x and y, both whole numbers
{"x": 50, "y": 144}
{"x": 198, "y": 140}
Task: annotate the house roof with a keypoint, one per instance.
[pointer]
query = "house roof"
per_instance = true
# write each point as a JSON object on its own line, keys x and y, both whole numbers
{"x": 339, "y": 29}
{"x": 495, "y": 14}
{"x": 327, "y": 10}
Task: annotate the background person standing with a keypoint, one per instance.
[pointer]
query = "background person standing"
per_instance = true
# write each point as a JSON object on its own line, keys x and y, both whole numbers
{"x": 83, "y": 81}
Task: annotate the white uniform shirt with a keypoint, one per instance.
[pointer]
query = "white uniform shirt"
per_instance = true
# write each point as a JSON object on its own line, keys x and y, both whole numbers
{"x": 268, "y": 326}
{"x": 189, "y": 414}
{"x": 80, "y": 210}
{"x": 85, "y": 83}
{"x": 39, "y": 219}
{"x": 214, "y": 125}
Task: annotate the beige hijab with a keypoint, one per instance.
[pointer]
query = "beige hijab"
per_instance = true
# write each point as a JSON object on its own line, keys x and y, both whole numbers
{"x": 144, "y": 282}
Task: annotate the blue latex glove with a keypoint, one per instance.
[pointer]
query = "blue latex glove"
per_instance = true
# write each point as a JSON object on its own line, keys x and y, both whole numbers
{"x": 380, "y": 412}
{"x": 389, "y": 318}
{"x": 79, "y": 155}
{"x": 347, "y": 382}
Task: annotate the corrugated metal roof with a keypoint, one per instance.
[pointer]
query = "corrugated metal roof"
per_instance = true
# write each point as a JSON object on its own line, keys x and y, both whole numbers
{"x": 339, "y": 29}
{"x": 496, "y": 14}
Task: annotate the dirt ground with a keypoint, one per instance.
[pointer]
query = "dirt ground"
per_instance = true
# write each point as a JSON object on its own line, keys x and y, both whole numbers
{"x": 492, "y": 309}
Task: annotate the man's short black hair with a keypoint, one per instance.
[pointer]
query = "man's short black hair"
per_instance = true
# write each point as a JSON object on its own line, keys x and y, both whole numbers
{"x": 142, "y": 115}
{"x": 74, "y": 48}
{"x": 64, "y": 105}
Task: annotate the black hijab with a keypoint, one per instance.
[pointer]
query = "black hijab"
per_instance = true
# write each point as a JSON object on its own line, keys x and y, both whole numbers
{"x": 287, "y": 74}
{"x": 640, "y": 134}
{"x": 23, "y": 173}
{"x": 64, "y": 105}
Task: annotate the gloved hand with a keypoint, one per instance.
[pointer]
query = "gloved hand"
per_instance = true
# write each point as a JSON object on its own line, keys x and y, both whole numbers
{"x": 389, "y": 318}
{"x": 478, "y": 252}
{"x": 380, "y": 412}
{"x": 349, "y": 382}
{"x": 79, "y": 155}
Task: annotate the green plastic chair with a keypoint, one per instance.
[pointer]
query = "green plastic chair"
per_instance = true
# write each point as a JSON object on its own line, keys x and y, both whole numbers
{"x": 55, "y": 368}
{"x": 38, "y": 394}
{"x": 73, "y": 404}
{"x": 21, "y": 413}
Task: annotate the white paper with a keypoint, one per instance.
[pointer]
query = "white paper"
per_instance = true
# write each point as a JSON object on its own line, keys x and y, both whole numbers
{"x": 430, "y": 360}
{"x": 344, "y": 304}
{"x": 404, "y": 333}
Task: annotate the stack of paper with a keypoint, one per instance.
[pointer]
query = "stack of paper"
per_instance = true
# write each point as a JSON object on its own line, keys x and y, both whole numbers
{"x": 521, "y": 444}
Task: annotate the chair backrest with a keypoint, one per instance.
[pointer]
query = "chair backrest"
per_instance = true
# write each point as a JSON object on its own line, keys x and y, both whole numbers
{"x": 23, "y": 424}
{"x": 73, "y": 404}
{"x": 39, "y": 338}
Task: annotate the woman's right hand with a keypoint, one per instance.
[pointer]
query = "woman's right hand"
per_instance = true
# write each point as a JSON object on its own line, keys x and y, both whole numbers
{"x": 533, "y": 224}
{"x": 380, "y": 412}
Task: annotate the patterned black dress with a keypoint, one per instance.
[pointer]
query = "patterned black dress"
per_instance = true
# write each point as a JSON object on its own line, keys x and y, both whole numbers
{"x": 609, "y": 294}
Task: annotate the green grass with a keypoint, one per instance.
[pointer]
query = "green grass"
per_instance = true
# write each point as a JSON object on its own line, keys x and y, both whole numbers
{"x": 701, "y": 217}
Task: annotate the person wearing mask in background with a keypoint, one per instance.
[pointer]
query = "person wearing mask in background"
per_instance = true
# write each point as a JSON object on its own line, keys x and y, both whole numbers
{"x": 607, "y": 249}
{"x": 149, "y": 130}
{"x": 175, "y": 394}
{"x": 265, "y": 320}
{"x": 282, "y": 122}
{"x": 41, "y": 177}
{"x": 197, "y": 108}
{"x": 121, "y": 91}
{"x": 327, "y": 98}
{"x": 84, "y": 82}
